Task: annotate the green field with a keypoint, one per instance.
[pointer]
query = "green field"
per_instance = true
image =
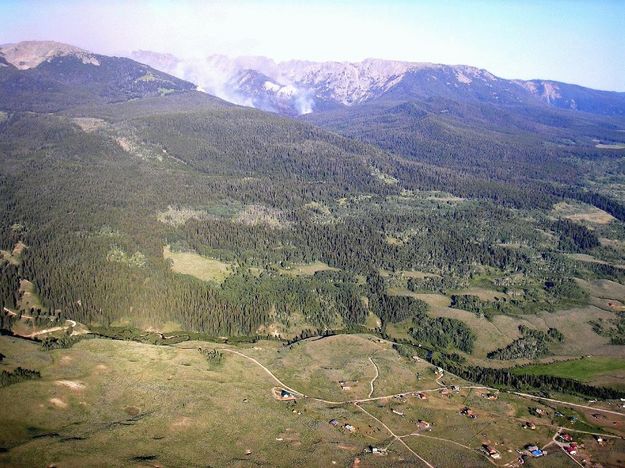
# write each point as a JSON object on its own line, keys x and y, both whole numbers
{"x": 203, "y": 268}
{"x": 305, "y": 269}
{"x": 584, "y": 369}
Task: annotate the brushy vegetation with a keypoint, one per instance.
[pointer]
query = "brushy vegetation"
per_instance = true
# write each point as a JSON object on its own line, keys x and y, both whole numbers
{"x": 18, "y": 375}
{"x": 532, "y": 344}
{"x": 213, "y": 356}
{"x": 62, "y": 342}
{"x": 613, "y": 329}
{"x": 555, "y": 292}
{"x": 443, "y": 332}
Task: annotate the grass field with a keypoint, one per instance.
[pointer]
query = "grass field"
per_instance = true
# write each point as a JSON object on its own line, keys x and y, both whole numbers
{"x": 119, "y": 403}
{"x": 29, "y": 296}
{"x": 203, "y": 268}
{"x": 14, "y": 257}
{"x": 176, "y": 216}
{"x": 305, "y": 269}
{"x": 616, "y": 146}
{"x": 585, "y": 369}
{"x": 581, "y": 212}
{"x": 580, "y": 339}
{"x": 131, "y": 404}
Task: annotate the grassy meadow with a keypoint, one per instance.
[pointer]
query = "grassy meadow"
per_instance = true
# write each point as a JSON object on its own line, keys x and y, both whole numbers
{"x": 105, "y": 402}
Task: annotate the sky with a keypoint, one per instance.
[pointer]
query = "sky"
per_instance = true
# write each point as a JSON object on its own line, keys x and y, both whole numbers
{"x": 575, "y": 41}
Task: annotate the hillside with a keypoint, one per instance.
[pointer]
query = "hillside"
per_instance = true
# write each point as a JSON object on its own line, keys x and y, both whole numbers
{"x": 49, "y": 76}
{"x": 481, "y": 236}
{"x": 351, "y": 400}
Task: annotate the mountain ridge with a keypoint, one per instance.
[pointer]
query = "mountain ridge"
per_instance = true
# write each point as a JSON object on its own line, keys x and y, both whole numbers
{"x": 328, "y": 85}
{"x": 46, "y": 76}
{"x": 298, "y": 87}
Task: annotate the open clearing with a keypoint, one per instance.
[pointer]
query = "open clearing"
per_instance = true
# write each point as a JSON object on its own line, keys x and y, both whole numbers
{"x": 615, "y": 146}
{"x": 178, "y": 216}
{"x": 203, "y": 268}
{"x": 105, "y": 402}
{"x": 14, "y": 257}
{"x": 580, "y": 339}
{"x": 306, "y": 269}
{"x": 581, "y": 212}
{"x": 584, "y": 369}
{"x": 89, "y": 124}
{"x": 28, "y": 296}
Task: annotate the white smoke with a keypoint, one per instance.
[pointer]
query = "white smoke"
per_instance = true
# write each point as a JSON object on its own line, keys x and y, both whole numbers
{"x": 304, "y": 103}
{"x": 224, "y": 77}
{"x": 212, "y": 79}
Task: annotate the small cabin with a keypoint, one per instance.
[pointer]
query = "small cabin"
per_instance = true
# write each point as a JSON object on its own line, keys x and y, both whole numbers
{"x": 423, "y": 424}
{"x": 491, "y": 452}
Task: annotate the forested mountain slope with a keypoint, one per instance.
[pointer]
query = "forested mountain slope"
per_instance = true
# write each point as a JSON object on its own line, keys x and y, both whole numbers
{"x": 501, "y": 141}
{"x": 180, "y": 210}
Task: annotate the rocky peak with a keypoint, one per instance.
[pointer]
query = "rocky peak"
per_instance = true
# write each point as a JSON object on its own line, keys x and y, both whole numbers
{"x": 30, "y": 54}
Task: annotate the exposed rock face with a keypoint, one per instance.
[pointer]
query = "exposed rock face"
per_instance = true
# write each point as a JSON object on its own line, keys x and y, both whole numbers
{"x": 298, "y": 87}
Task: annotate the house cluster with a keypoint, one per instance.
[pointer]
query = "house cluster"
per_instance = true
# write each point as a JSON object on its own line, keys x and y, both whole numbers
{"x": 347, "y": 427}
{"x": 567, "y": 443}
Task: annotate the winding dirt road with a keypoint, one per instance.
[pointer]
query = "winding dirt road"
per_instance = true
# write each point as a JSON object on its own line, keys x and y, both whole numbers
{"x": 395, "y": 436}
{"x": 377, "y": 374}
{"x": 357, "y": 404}
{"x": 594, "y": 408}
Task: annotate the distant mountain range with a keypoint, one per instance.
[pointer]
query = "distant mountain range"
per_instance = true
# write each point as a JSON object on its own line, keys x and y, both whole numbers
{"x": 300, "y": 87}
{"x": 291, "y": 88}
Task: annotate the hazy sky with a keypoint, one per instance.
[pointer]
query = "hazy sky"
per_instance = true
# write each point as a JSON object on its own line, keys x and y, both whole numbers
{"x": 578, "y": 41}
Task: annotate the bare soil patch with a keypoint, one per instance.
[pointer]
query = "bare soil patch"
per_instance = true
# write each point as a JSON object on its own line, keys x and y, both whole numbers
{"x": 71, "y": 384}
{"x": 58, "y": 403}
{"x": 132, "y": 410}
